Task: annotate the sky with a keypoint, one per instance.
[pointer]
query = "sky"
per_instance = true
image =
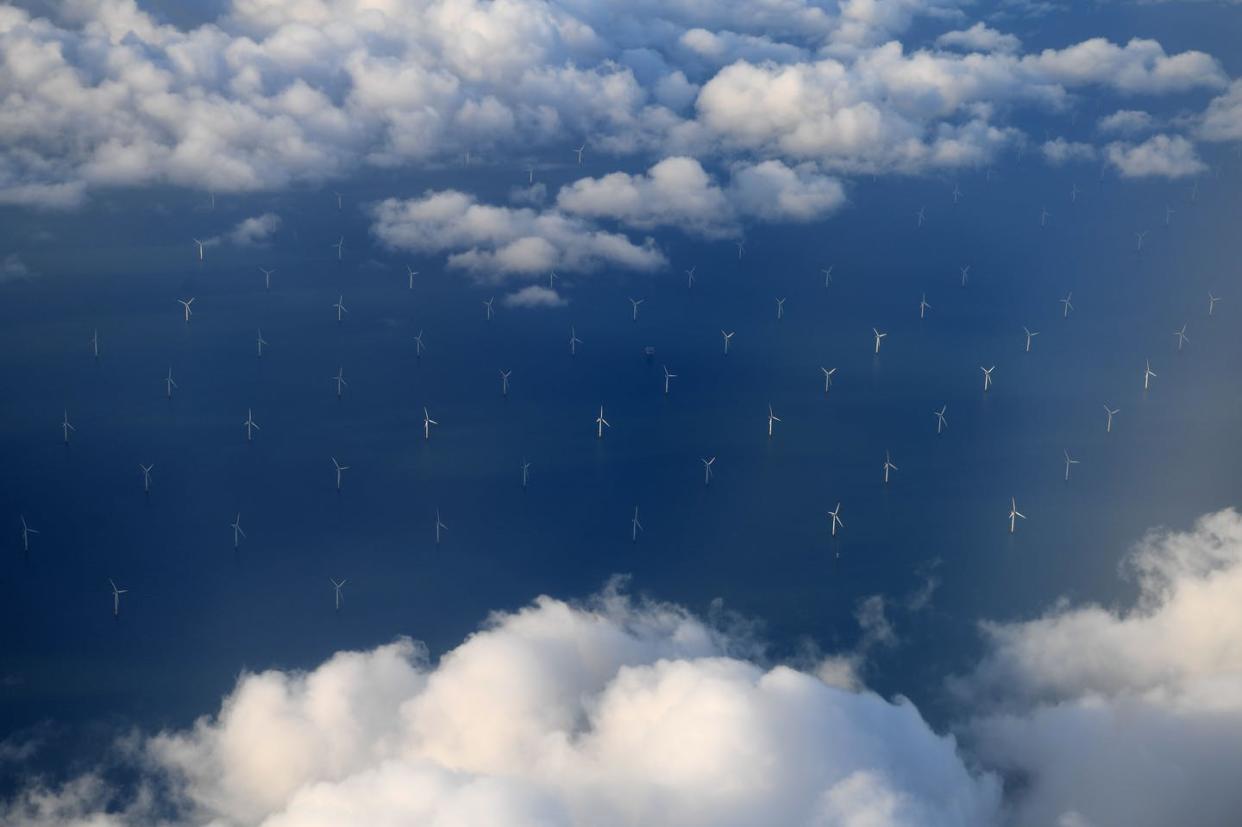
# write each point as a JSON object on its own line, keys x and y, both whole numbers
{"x": 531, "y": 210}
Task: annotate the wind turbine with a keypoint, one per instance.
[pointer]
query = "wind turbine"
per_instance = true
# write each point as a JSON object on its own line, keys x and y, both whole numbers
{"x": 427, "y": 423}
{"x": 987, "y": 376}
{"x": 146, "y": 477}
{"x": 1030, "y": 334}
{"x": 636, "y": 303}
{"x": 1068, "y": 462}
{"x": 251, "y": 425}
{"x": 237, "y": 530}
{"x": 727, "y": 336}
{"x": 1212, "y": 300}
{"x": 338, "y": 199}
{"x": 957, "y": 193}
{"x": 1168, "y": 214}
{"x": 339, "y": 470}
{"x": 827, "y": 275}
{"x": 837, "y": 522}
{"x": 200, "y": 244}
{"x": 690, "y": 276}
{"x": 965, "y": 271}
{"x": 95, "y": 342}
{"x": 888, "y": 466}
{"x": 579, "y": 152}
{"x": 525, "y": 471}
{"x": 116, "y": 597}
{"x": 338, "y": 586}
{"x": 440, "y": 526}
{"x": 707, "y": 469}
{"x": 1138, "y": 237}
{"x": 741, "y": 248}
{"x": 923, "y": 307}
{"x": 601, "y": 424}
{"x": 878, "y": 336}
{"x": 419, "y": 347}
{"x": 26, "y": 532}
{"x": 667, "y": 377}
{"x": 488, "y": 304}
{"x": 780, "y": 309}
{"x": 574, "y": 341}
{"x": 261, "y": 342}
{"x": 530, "y": 173}
{"x": 827, "y": 377}
{"x": 339, "y": 306}
{"x": 504, "y": 382}
{"x": 941, "y": 422}
{"x": 552, "y": 277}
{"x": 772, "y": 417}
{"x": 1074, "y": 192}
{"x": 169, "y": 384}
{"x": 185, "y": 303}
{"x": 340, "y": 248}
{"x": 339, "y": 379}
{"x": 1066, "y": 305}
{"x": 1182, "y": 338}
{"x": 1044, "y": 216}
{"x": 267, "y": 277}
{"x": 411, "y": 273}
{"x": 1108, "y": 428}
{"x": 635, "y": 526}
{"x": 921, "y": 216}
{"x": 66, "y": 427}
{"x": 1014, "y": 513}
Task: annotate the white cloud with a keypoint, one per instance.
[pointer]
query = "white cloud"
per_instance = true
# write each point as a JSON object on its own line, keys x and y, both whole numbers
{"x": 979, "y": 38}
{"x": 613, "y": 713}
{"x": 1060, "y": 151}
{"x": 492, "y": 242}
{"x": 771, "y": 191}
{"x": 1223, "y": 119}
{"x": 12, "y": 268}
{"x": 258, "y": 229}
{"x": 1126, "y": 716}
{"x": 1168, "y": 156}
{"x": 535, "y": 295}
{"x": 1126, "y": 122}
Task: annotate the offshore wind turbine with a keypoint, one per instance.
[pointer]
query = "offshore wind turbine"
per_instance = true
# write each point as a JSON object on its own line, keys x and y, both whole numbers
{"x": 116, "y": 597}
{"x": 667, "y": 376}
{"x": 26, "y": 532}
{"x": 837, "y": 522}
{"x": 1014, "y": 513}
{"x": 410, "y": 273}
{"x": 267, "y": 277}
{"x": 727, "y": 337}
{"x": 601, "y": 424}
{"x": 552, "y": 277}
{"x": 772, "y": 417}
{"x": 1168, "y": 214}
{"x": 251, "y": 425}
{"x": 525, "y": 471}
{"x": 1030, "y": 334}
{"x": 1148, "y": 375}
{"x": 237, "y": 530}
{"x": 878, "y": 337}
{"x": 574, "y": 341}
{"x": 337, "y": 588}
{"x": 339, "y": 306}
{"x": 1044, "y": 215}
{"x": 1182, "y": 338}
{"x": 340, "y": 248}
{"x": 1066, "y": 304}
{"x": 690, "y": 276}
{"x": 707, "y": 469}
{"x": 579, "y": 152}
{"x": 504, "y": 382}
{"x": 419, "y": 347}
{"x": 487, "y": 304}
{"x": 1212, "y": 300}
{"x": 261, "y": 342}
{"x": 923, "y": 307}
{"x": 741, "y": 248}
{"x": 1074, "y": 190}
{"x": 530, "y": 173}
{"x": 921, "y": 216}
{"x": 635, "y": 303}
{"x": 827, "y": 377}
{"x": 1108, "y": 427}
{"x": 635, "y": 526}
{"x": 185, "y": 303}
{"x": 965, "y": 271}
{"x": 169, "y": 384}
{"x": 339, "y": 470}
{"x": 957, "y": 193}
{"x": 427, "y": 423}
{"x": 1068, "y": 462}
{"x": 95, "y": 342}
{"x": 780, "y": 309}
{"x": 827, "y": 274}
{"x": 987, "y": 377}
{"x": 888, "y": 466}
{"x": 66, "y": 427}
{"x": 1138, "y": 237}
{"x": 338, "y": 199}
{"x": 339, "y": 379}
{"x": 941, "y": 422}
{"x": 440, "y": 526}
{"x": 201, "y": 245}
{"x": 146, "y": 477}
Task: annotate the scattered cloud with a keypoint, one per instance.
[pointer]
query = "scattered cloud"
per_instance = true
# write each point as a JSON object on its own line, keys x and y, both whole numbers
{"x": 535, "y": 295}
{"x": 1168, "y": 156}
{"x": 1060, "y": 151}
{"x": 1126, "y": 122}
{"x": 979, "y": 38}
{"x": 258, "y": 229}
{"x": 1131, "y": 716}
{"x": 1223, "y": 119}
{"x": 12, "y": 268}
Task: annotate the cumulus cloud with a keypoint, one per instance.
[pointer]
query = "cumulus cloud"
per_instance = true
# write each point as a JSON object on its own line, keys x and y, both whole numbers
{"x": 258, "y": 229}
{"x": 1168, "y": 156}
{"x": 1131, "y": 716}
{"x": 535, "y": 295}
{"x": 1126, "y": 122}
{"x": 1223, "y": 119}
{"x": 12, "y": 268}
{"x": 979, "y": 38}
{"x": 1060, "y": 151}
{"x": 609, "y": 713}
{"x": 492, "y": 242}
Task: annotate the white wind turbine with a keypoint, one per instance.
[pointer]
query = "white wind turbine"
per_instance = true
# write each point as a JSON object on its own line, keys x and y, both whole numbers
{"x": 169, "y": 384}
{"x": 941, "y": 422}
{"x": 965, "y": 271}
{"x": 237, "y": 530}
{"x": 337, "y": 589}
{"x": 411, "y": 273}
{"x": 878, "y": 337}
{"x": 1014, "y": 514}
{"x": 923, "y": 307}
{"x": 525, "y": 471}
{"x": 95, "y": 342}
{"x": 827, "y": 274}
{"x": 667, "y": 377}
{"x": 1148, "y": 375}
{"x": 987, "y": 377}
{"x": 727, "y": 338}
{"x": 837, "y": 522}
{"x": 772, "y": 417}
{"x": 636, "y": 303}
{"x": 1212, "y": 300}
{"x": 427, "y": 423}
{"x": 116, "y": 597}
{"x": 339, "y": 306}
{"x": 340, "y": 248}
{"x": 251, "y": 425}
{"x": 267, "y": 277}
{"x": 574, "y": 341}
{"x": 1182, "y": 338}
{"x": 1066, "y": 305}
{"x": 185, "y": 303}
{"x": 601, "y": 424}
{"x": 828, "y": 373}
{"x": 440, "y": 526}
{"x": 780, "y": 309}
{"x": 66, "y": 427}
{"x": 340, "y": 469}
{"x": 419, "y": 347}
{"x": 1030, "y": 334}
{"x": 26, "y": 532}
{"x": 339, "y": 379}
{"x": 690, "y": 276}
{"x": 261, "y": 342}
{"x": 504, "y": 382}
{"x": 707, "y": 469}
{"x": 1108, "y": 427}
{"x": 487, "y": 303}
{"x": 201, "y": 245}
{"x": 888, "y": 466}
{"x": 146, "y": 477}
{"x": 1068, "y": 462}
{"x": 635, "y": 526}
